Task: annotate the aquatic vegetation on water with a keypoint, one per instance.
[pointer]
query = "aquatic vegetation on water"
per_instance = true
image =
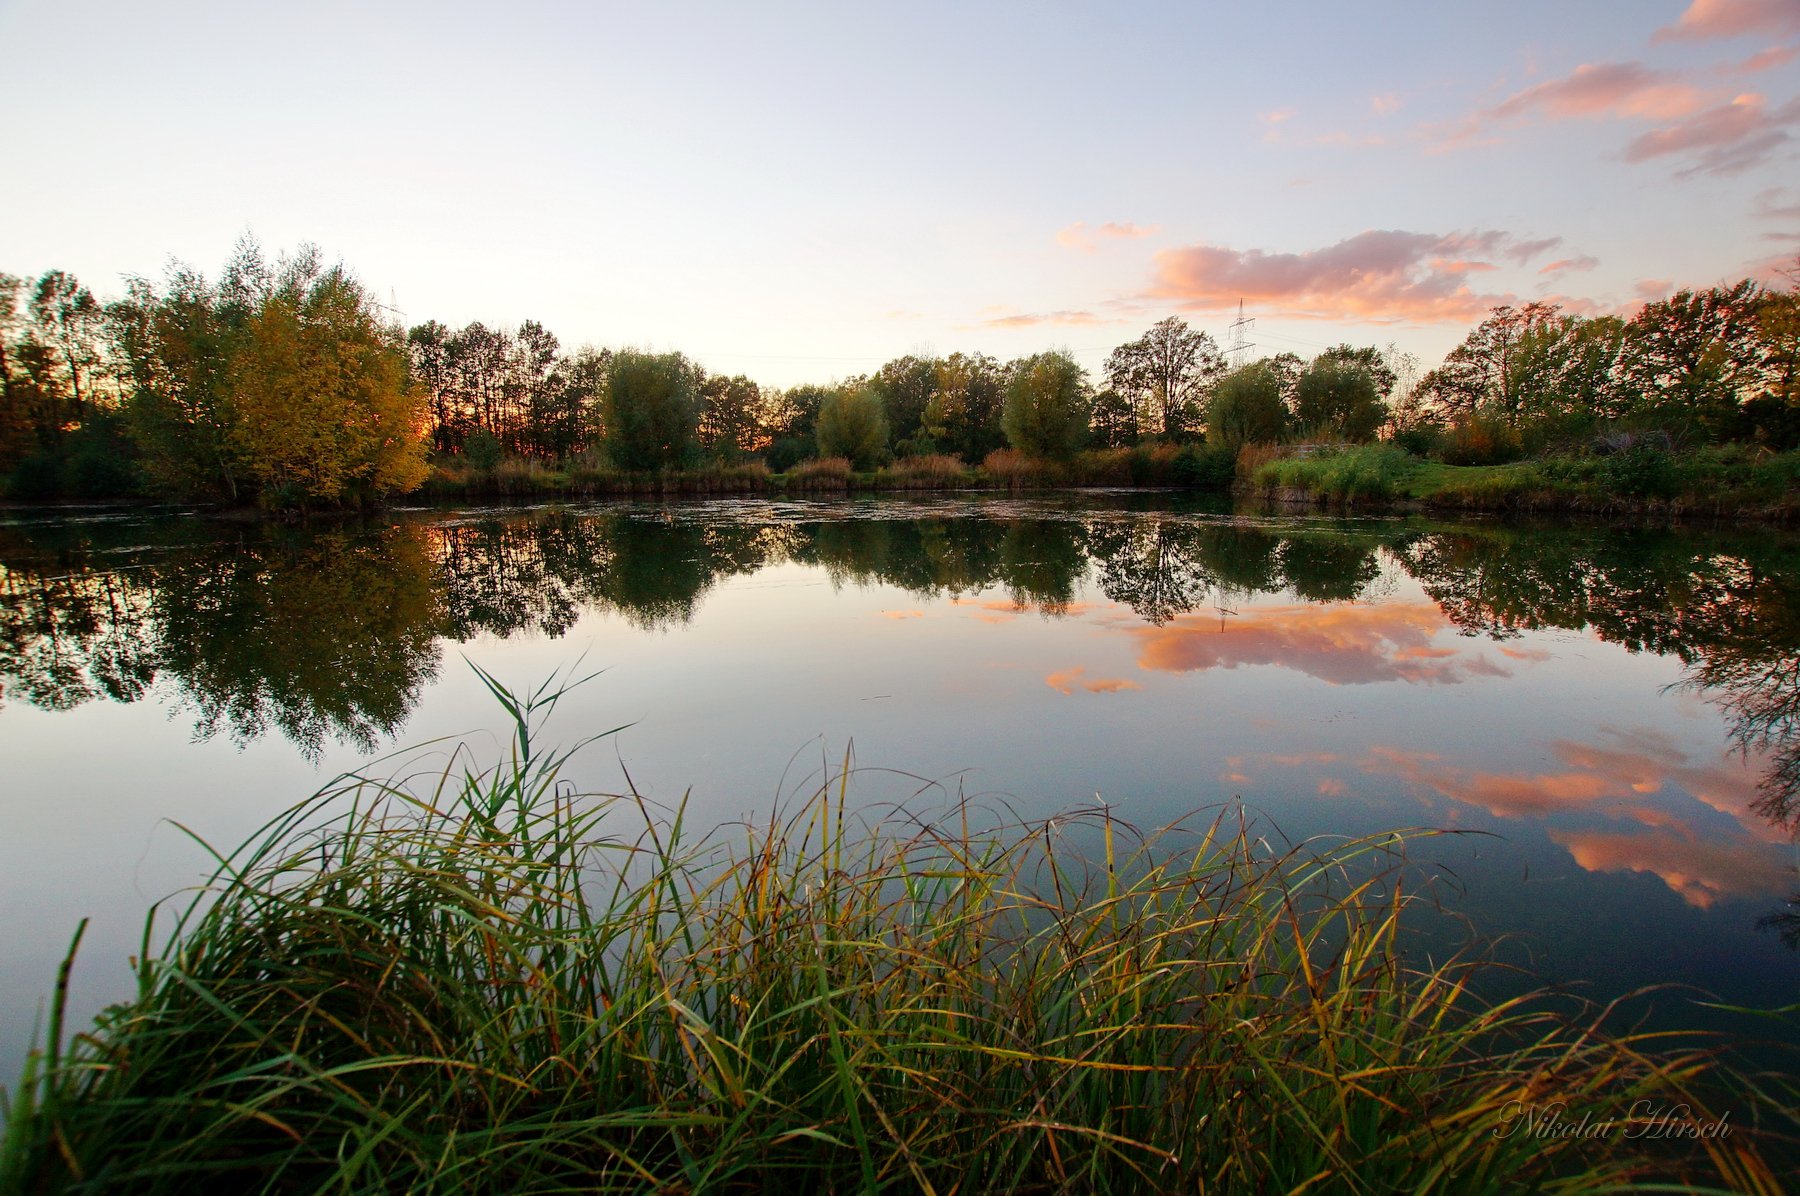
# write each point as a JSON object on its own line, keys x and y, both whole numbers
{"x": 484, "y": 982}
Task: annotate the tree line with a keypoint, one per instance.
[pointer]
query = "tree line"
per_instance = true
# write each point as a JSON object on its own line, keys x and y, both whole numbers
{"x": 1701, "y": 366}
{"x": 288, "y": 384}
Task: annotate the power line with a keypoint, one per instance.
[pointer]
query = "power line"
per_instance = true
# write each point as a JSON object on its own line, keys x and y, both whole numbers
{"x": 1238, "y": 344}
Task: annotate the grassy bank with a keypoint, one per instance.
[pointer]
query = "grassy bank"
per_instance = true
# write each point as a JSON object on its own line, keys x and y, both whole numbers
{"x": 1159, "y": 465}
{"x": 484, "y": 983}
{"x": 1730, "y": 480}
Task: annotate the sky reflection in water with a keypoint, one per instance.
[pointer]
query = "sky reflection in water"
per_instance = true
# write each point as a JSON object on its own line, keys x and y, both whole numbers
{"x": 1619, "y": 705}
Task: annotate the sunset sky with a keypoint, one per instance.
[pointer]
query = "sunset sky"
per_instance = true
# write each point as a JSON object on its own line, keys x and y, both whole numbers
{"x": 800, "y": 192}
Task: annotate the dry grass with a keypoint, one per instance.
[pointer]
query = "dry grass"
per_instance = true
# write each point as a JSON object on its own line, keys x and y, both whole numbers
{"x": 821, "y": 473}
{"x": 936, "y": 471}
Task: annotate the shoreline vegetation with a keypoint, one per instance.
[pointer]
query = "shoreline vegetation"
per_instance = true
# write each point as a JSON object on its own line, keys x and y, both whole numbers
{"x": 480, "y": 981}
{"x": 287, "y": 387}
{"x": 1723, "y": 482}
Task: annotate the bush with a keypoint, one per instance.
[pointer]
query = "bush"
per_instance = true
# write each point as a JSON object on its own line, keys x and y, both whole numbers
{"x": 1252, "y": 457}
{"x": 1206, "y": 466}
{"x": 1479, "y": 440}
{"x": 1643, "y": 470}
{"x": 1420, "y": 439}
{"x": 36, "y": 478}
{"x": 482, "y": 450}
{"x": 1153, "y": 464}
{"x": 1104, "y": 467}
{"x": 787, "y": 452}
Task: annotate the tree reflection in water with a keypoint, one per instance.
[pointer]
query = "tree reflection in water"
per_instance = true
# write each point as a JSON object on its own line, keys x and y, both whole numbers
{"x": 332, "y": 634}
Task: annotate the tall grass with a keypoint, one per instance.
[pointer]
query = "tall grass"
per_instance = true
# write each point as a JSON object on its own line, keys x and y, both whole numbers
{"x": 935, "y": 471}
{"x": 486, "y": 983}
{"x": 820, "y": 473}
{"x": 1363, "y": 471}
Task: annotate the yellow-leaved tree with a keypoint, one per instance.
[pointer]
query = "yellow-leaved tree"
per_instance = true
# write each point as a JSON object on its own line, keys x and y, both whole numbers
{"x": 319, "y": 386}
{"x": 286, "y": 384}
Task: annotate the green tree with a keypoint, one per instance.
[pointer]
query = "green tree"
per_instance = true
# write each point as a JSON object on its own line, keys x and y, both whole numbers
{"x": 429, "y": 347}
{"x": 1568, "y": 373}
{"x": 68, "y": 321}
{"x": 1369, "y": 358}
{"x": 1338, "y": 399}
{"x": 852, "y": 424}
{"x": 651, "y": 409}
{"x": 544, "y": 422}
{"x": 963, "y": 413}
{"x": 1166, "y": 374}
{"x": 1486, "y": 372}
{"x": 730, "y": 416}
{"x": 1047, "y": 405}
{"x": 569, "y": 422}
{"x": 1114, "y": 420}
{"x": 1694, "y": 358}
{"x": 1246, "y": 406}
{"x": 284, "y": 384}
{"x": 179, "y": 344}
{"x": 905, "y": 386}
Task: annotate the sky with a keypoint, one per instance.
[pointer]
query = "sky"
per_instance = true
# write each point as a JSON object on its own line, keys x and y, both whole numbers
{"x": 799, "y": 192}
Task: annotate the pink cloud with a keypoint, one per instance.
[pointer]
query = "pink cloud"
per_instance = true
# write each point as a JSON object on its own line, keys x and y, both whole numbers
{"x": 1066, "y": 680}
{"x": 1080, "y": 236}
{"x": 1381, "y": 274}
{"x": 1652, "y": 290}
{"x": 1002, "y": 610}
{"x": 1764, "y": 60}
{"x": 1701, "y": 871}
{"x": 1384, "y": 105}
{"x": 1774, "y": 204}
{"x": 1036, "y": 319}
{"x": 1726, "y": 139}
{"x": 1563, "y": 265}
{"x": 1732, "y": 18}
{"x": 1601, "y": 89}
{"x": 1627, "y": 766}
{"x": 1342, "y": 645}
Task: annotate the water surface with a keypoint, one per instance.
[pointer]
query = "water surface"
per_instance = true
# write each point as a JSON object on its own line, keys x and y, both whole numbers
{"x": 1617, "y": 707}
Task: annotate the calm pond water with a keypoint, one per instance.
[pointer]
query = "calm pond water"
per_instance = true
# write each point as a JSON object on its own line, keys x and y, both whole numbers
{"x": 1619, "y": 707}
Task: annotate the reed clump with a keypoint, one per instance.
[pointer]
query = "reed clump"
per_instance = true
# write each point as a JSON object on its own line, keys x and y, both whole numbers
{"x": 934, "y": 471}
{"x": 486, "y": 983}
{"x": 820, "y": 473}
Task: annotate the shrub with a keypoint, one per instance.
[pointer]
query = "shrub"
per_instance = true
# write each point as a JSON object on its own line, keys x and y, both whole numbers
{"x": 1479, "y": 440}
{"x": 1153, "y": 464}
{"x": 482, "y": 450}
{"x": 1205, "y": 466}
{"x": 786, "y": 452}
{"x": 1104, "y": 467}
{"x": 1644, "y": 470}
